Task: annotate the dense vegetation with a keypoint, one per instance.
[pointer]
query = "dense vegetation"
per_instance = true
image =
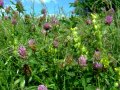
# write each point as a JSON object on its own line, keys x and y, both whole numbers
{"x": 67, "y": 53}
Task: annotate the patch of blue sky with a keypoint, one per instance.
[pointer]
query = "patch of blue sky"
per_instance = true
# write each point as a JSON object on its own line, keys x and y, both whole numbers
{"x": 53, "y": 6}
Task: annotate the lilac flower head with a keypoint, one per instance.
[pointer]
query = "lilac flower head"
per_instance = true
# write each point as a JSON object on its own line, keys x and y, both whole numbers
{"x": 22, "y": 52}
{"x": 82, "y": 60}
{"x": 1, "y": 3}
{"x": 42, "y": 87}
{"x": 108, "y": 19}
{"x": 97, "y": 65}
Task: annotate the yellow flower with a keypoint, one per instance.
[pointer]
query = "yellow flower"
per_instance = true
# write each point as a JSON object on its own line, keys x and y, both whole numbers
{"x": 75, "y": 33}
{"x": 76, "y": 39}
{"x": 105, "y": 62}
{"x": 94, "y": 21}
{"x": 94, "y": 16}
{"x": 97, "y": 26}
{"x": 73, "y": 29}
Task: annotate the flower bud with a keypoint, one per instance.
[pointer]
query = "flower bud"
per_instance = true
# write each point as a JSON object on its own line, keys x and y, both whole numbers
{"x": 7, "y": 10}
{"x": 56, "y": 43}
{"x": 88, "y": 22}
{"x": 32, "y": 44}
{"x": 6, "y": 17}
{"x": 111, "y": 11}
{"x": 19, "y": 6}
{"x": 97, "y": 55}
{"x": 43, "y": 11}
{"x": 27, "y": 70}
{"x": 44, "y": 32}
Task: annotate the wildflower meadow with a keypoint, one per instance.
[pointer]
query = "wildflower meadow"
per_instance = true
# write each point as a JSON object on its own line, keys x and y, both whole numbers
{"x": 79, "y": 51}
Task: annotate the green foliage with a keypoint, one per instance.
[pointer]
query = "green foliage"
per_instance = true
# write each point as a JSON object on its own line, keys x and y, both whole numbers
{"x": 84, "y": 7}
{"x": 52, "y": 60}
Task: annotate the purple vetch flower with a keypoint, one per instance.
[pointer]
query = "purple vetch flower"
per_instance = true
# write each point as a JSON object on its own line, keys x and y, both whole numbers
{"x": 1, "y": 3}
{"x": 47, "y": 26}
{"x": 42, "y": 87}
{"x": 97, "y": 65}
{"x": 22, "y": 52}
{"x": 82, "y": 60}
{"x": 88, "y": 22}
{"x": 14, "y": 21}
{"x": 108, "y": 19}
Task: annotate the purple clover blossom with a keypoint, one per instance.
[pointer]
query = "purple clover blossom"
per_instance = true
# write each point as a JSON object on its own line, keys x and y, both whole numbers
{"x": 47, "y": 26}
{"x": 108, "y": 19}
{"x": 82, "y": 60}
{"x": 22, "y": 52}
{"x": 97, "y": 65}
{"x": 42, "y": 87}
{"x": 1, "y": 3}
